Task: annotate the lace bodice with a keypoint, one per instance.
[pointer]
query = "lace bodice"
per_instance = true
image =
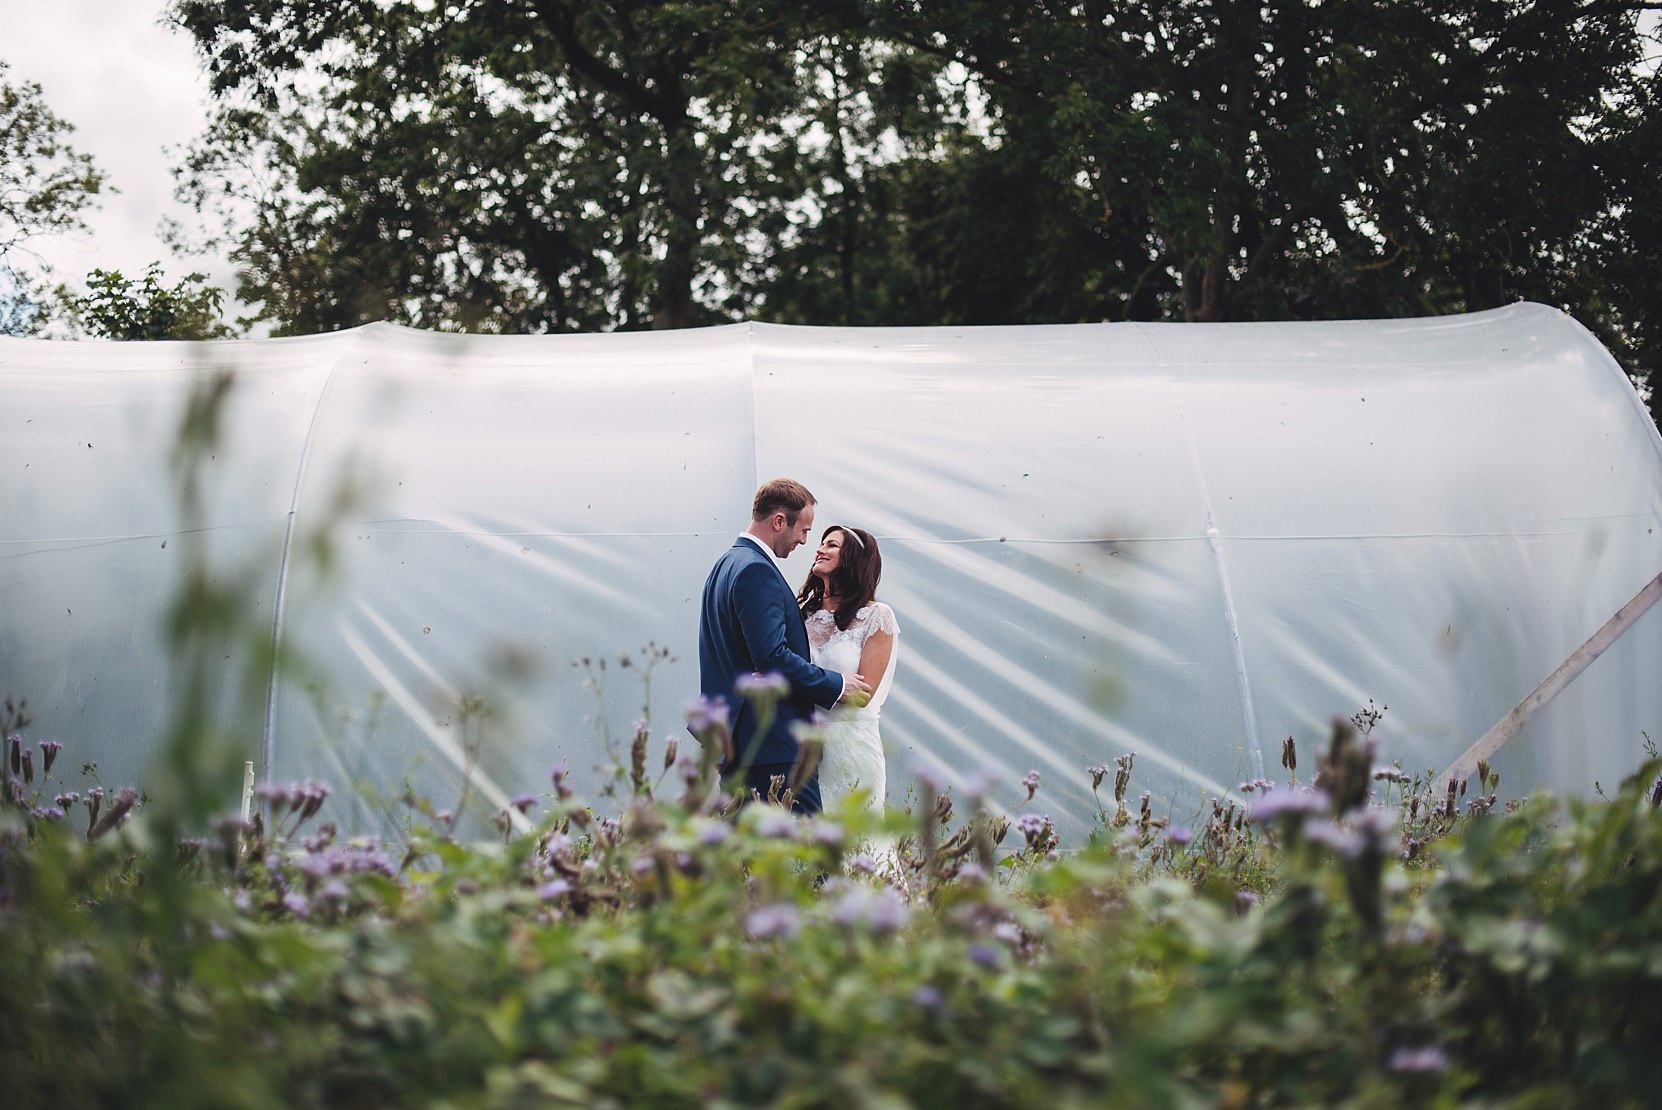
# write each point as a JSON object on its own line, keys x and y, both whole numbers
{"x": 838, "y": 649}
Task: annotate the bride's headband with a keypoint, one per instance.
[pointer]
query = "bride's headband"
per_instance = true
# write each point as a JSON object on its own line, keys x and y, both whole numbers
{"x": 851, "y": 534}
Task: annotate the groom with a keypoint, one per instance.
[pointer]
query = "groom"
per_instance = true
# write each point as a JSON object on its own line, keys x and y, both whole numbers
{"x": 750, "y": 624}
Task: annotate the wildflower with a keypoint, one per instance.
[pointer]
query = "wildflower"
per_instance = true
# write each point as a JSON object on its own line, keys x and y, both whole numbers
{"x": 1097, "y": 773}
{"x": 1179, "y": 836}
{"x": 713, "y": 833}
{"x": 929, "y": 998}
{"x": 16, "y": 744}
{"x": 760, "y": 687}
{"x": 880, "y": 911}
{"x": 980, "y": 783}
{"x": 928, "y": 776}
{"x": 828, "y": 833}
{"x": 778, "y": 920}
{"x": 558, "y": 776}
{"x": 557, "y": 888}
{"x": 704, "y": 714}
{"x": 1286, "y": 801}
{"x": 984, "y": 955}
{"x": 296, "y": 903}
{"x": 1427, "y": 1059}
{"x": 311, "y": 796}
{"x": 49, "y": 750}
{"x": 67, "y": 800}
{"x": 1245, "y": 900}
{"x": 524, "y": 802}
{"x": 862, "y": 863}
{"x": 28, "y": 765}
{"x": 335, "y": 890}
{"x": 671, "y": 746}
{"x": 775, "y": 824}
{"x": 1032, "y": 783}
{"x": 118, "y": 810}
{"x": 1345, "y": 842}
{"x": 1040, "y": 833}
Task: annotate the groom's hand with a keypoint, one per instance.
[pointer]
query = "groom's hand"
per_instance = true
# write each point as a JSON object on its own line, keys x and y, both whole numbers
{"x": 855, "y": 692}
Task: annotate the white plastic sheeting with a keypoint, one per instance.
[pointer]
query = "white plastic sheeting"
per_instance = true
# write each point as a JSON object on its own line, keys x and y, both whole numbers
{"x": 1186, "y": 541}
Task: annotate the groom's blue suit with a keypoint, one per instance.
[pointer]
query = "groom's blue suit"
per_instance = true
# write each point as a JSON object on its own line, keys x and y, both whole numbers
{"x": 750, "y": 624}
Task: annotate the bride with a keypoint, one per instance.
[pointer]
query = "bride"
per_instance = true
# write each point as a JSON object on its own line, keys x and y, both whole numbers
{"x": 850, "y": 631}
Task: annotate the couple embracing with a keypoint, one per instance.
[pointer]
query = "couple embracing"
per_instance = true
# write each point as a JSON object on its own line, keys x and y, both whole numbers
{"x": 832, "y": 641}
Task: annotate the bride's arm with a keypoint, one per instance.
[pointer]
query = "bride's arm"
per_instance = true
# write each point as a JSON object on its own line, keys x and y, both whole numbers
{"x": 874, "y": 657}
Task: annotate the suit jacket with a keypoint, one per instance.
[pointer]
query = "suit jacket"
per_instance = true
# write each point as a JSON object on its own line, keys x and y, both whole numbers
{"x": 750, "y": 623}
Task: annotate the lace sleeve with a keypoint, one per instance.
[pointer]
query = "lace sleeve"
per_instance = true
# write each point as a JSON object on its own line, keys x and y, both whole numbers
{"x": 880, "y": 618}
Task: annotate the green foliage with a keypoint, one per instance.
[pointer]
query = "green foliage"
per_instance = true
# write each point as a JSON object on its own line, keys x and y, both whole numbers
{"x": 554, "y": 166}
{"x": 681, "y": 951}
{"x": 45, "y": 186}
{"x": 116, "y": 307}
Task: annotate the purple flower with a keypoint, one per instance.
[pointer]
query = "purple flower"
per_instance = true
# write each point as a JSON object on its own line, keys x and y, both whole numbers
{"x": 778, "y": 920}
{"x": 524, "y": 802}
{"x": 761, "y": 686}
{"x": 862, "y": 864}
{"x": 1097, "y": 773}
{"x": 558, "y": 888}
{"x": 1036, "y": 829}
{"x": 928, "y": 776}
{"x": 828, "y": 833}
{"x": 1245, "y": 900}
{"x": 713, "y": 833}
{"x": 296, "y": 903}
{"x": 775, "y": 824}
{"x": 880, "y": 911}
{"x": 929, "y": 998}
{"x": 1287, "y": 802}
{"x": 49, "y": 750}
{"x": 704, "y": 714}
{"x": 1179, "y": 836}
{"x": 1032, "y": 784}
{"x": 1343, "y": 841}
{"x": 984, "y": 955}
{"x": 558, "y": 776}
{"x": 1427, "y": 1059}
{"x": 982, "y": 782}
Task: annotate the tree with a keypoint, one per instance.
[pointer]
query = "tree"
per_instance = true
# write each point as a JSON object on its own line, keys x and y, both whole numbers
{"x": 45, "y": 186}
{"x": 115, "y": 307}
{"x": 547, "y": 165}
{"x": 513, "y": 166}
{"x": 1289, "y": 160}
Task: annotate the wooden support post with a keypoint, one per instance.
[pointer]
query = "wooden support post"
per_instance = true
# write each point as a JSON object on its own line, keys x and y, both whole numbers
{"x": 1507, "y": 727}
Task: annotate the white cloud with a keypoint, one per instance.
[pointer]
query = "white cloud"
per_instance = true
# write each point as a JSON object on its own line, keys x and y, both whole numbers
{"x": 132, "y": 87}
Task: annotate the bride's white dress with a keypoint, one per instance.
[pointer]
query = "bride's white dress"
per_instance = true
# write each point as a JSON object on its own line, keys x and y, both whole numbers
{"x": 853, "y": 750}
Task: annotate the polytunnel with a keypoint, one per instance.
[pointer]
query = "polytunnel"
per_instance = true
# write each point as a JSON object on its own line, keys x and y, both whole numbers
{"x": 1187, "y": 541}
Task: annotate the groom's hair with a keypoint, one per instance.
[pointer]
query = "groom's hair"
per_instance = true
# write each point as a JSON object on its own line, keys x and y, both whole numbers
{"x": 781, "y": 494}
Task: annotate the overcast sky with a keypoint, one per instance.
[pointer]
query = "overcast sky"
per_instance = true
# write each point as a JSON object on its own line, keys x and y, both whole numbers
{"x": 131, "y": 87}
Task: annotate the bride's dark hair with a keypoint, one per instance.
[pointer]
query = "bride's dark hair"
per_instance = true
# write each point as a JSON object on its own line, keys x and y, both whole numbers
{"x": 855, "y": 579}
